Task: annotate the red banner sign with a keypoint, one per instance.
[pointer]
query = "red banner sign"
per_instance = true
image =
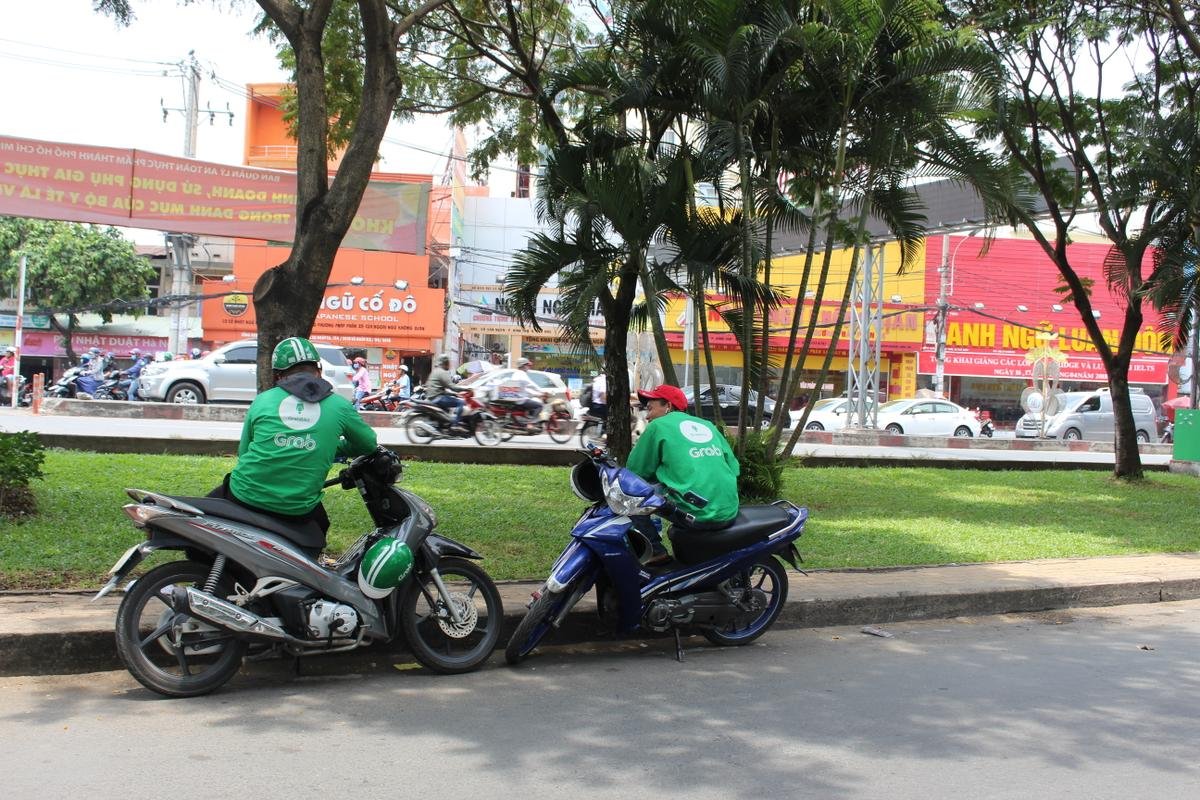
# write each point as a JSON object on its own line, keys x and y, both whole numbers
{"x": 138, "y": 189}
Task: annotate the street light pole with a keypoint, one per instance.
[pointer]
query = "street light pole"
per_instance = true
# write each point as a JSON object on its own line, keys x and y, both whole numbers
{"x": 939, "y": 375}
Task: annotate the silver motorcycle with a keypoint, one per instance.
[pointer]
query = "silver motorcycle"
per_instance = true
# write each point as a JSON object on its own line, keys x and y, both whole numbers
{"x": 245, "y": 590}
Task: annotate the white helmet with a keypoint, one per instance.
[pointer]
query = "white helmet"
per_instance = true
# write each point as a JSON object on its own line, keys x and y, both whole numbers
{"x": 403, "y": 368}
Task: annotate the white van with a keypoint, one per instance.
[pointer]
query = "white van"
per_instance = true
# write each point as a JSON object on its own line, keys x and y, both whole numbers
{"x": 1089, "y": 416}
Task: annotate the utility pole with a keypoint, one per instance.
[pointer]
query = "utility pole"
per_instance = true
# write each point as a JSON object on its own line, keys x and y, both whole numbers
{"x": 939, "y": 375}
{"x": 180, "y": 244}
{"x": 18, "y": 332}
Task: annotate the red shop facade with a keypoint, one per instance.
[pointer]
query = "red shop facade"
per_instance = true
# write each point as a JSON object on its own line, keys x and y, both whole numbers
{"x": 1002, "y": 294}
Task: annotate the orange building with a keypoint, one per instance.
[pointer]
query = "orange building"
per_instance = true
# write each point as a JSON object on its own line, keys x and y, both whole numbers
{"x": 389, "y": 305}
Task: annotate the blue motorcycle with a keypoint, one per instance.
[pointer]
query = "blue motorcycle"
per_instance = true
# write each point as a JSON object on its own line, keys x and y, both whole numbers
{"x": 728, "y": 584}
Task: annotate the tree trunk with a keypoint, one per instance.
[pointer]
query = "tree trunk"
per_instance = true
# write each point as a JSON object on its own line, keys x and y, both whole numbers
{"x": 288, "y": 296}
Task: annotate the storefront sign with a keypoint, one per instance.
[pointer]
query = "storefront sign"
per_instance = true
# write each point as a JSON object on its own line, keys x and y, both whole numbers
{"x": 27, "y": 321}
{"x": 352, "y": 314}
{"x": 995, "y": 364}
{"x": 49, "y": 344}
{"x": 139, "y": 189}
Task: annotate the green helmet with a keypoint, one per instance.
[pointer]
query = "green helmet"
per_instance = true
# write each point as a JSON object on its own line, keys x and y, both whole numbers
{"x": 384, "y": 567}
{"x": 292, "y": 351}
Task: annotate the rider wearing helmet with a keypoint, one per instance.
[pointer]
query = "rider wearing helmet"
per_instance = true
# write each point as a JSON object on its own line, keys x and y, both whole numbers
{"x": 291, "y": 436}
{"x": 361, "y": 380}
{"x": 135, "y": 371}
{"x": 533, "y": 394}
{"x": 440, "y": 388}
{"x": 404, "y": 384}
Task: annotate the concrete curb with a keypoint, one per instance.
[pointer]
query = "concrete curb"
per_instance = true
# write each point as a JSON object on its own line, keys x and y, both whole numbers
{"x": 62, "y": 633}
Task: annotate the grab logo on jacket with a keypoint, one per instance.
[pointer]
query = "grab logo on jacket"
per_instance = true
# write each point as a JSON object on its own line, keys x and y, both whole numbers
{"x": 299, "y": 414}
{"x": 695, "y": 431}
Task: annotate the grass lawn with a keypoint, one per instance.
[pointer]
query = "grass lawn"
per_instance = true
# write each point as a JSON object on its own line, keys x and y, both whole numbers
{"x": 519, "y": 517}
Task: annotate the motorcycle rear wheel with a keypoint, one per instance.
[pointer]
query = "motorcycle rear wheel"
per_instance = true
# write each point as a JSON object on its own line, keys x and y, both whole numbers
{"x": 769, "y": 577}
{"x": 533, "y": 627}
{"x": 174, "y": 654}
{"x": 436, "y": 641}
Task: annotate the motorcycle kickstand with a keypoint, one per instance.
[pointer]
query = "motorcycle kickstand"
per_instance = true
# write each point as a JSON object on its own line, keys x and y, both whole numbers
{"x": 678, "y": 646}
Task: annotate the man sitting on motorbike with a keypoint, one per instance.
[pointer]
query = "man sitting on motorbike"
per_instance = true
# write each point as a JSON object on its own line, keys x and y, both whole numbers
{"x": 135, "y": 371}
{"x": 532, "y": 401}
{"x": 291, "y": 436}
{"x": 403, "y": 384}
{"x": 691, "y": 460}
{"x": 440, "y": 388}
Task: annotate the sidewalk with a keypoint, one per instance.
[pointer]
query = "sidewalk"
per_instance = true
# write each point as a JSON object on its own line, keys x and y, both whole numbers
{"x": 63, "y": 632}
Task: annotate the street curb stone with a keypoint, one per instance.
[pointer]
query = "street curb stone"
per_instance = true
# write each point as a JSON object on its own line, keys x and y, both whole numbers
{"x": 63, "y": 633}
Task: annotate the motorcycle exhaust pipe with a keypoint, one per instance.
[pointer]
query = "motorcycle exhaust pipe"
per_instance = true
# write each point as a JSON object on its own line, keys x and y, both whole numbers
{"x": 189, "y": 600}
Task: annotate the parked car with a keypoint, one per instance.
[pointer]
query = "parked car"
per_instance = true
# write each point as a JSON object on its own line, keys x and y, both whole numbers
{"x": 485, "y": 383}
{"x": 830, "y": 414}
{"x": 1089, "y": 415}
{"x": 927, "y": 417}
{"x": 228, "y": 374}
{"x": 729, "y": 399}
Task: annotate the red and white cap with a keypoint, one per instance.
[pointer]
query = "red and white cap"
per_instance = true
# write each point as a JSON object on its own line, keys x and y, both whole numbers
{"x": 672, "y": 394}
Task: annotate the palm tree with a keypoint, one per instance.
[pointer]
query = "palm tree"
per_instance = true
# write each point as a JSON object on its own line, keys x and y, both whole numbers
{"x": 605, "y": 201}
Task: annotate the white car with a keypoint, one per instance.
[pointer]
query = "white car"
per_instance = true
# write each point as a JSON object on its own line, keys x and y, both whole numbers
{"x": 486, "y": 383}
{"x": 228, "y": 375}
{"x": 927, "y": 417}
{"x": 829, "y": 414}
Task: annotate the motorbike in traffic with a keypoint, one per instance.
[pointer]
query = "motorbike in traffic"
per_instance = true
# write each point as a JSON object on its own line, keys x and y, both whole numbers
{"x": 728, "y": 584}
{"x": 986, "y": 426}
{"x": 77, "y": 382}
{"x": 115, "y": 386}
{"x": 427, "y": 421}
{"x": 245, "y": 589}
{"x": 556, "y": 419}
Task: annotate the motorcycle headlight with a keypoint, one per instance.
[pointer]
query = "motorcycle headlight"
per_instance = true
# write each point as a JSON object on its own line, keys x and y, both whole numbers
{"x": 626, "y": 493}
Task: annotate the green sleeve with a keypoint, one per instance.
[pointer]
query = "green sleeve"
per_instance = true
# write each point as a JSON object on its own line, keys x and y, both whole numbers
{"x": 358, "y": 438}
{"x": 644, "y": 458}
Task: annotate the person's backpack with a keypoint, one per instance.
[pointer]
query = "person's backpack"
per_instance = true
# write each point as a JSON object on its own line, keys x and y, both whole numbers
{"x": 585, "y": 397}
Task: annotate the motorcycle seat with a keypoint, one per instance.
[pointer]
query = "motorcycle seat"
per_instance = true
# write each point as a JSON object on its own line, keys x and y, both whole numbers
{"x": 753, "y": 524}
{"x": 308, "y": 535}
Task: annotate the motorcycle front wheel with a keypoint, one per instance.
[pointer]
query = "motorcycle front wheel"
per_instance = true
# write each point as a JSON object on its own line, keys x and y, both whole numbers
{"x": 768, "y": 585}
{"x": 533, "y": 627}
{"x": 420, "y": 429}
{"x": 558, "y": 426}
{"x": 171, "y": 653}
{"x": 488, "y": 432}
{"x": 437, "y": 641}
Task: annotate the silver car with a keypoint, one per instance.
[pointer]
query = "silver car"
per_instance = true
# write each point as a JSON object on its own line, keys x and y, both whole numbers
{"x": 228, "y": 375}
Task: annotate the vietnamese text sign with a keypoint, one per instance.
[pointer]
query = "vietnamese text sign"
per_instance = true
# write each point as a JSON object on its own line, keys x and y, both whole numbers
{"x": 366, "y": 313}
{"x": 993, "y": 364}
{"x": 139, "y": 189}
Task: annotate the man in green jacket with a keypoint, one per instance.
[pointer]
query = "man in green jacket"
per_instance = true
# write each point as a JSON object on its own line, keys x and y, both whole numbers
{"x": 692, "y": 461}
{"x": 291, "y": 436}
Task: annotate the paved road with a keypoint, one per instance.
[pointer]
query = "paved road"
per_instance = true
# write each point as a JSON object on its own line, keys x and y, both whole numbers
{"x": 230, "y": 431}
{"x": 1100, "y": 703}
